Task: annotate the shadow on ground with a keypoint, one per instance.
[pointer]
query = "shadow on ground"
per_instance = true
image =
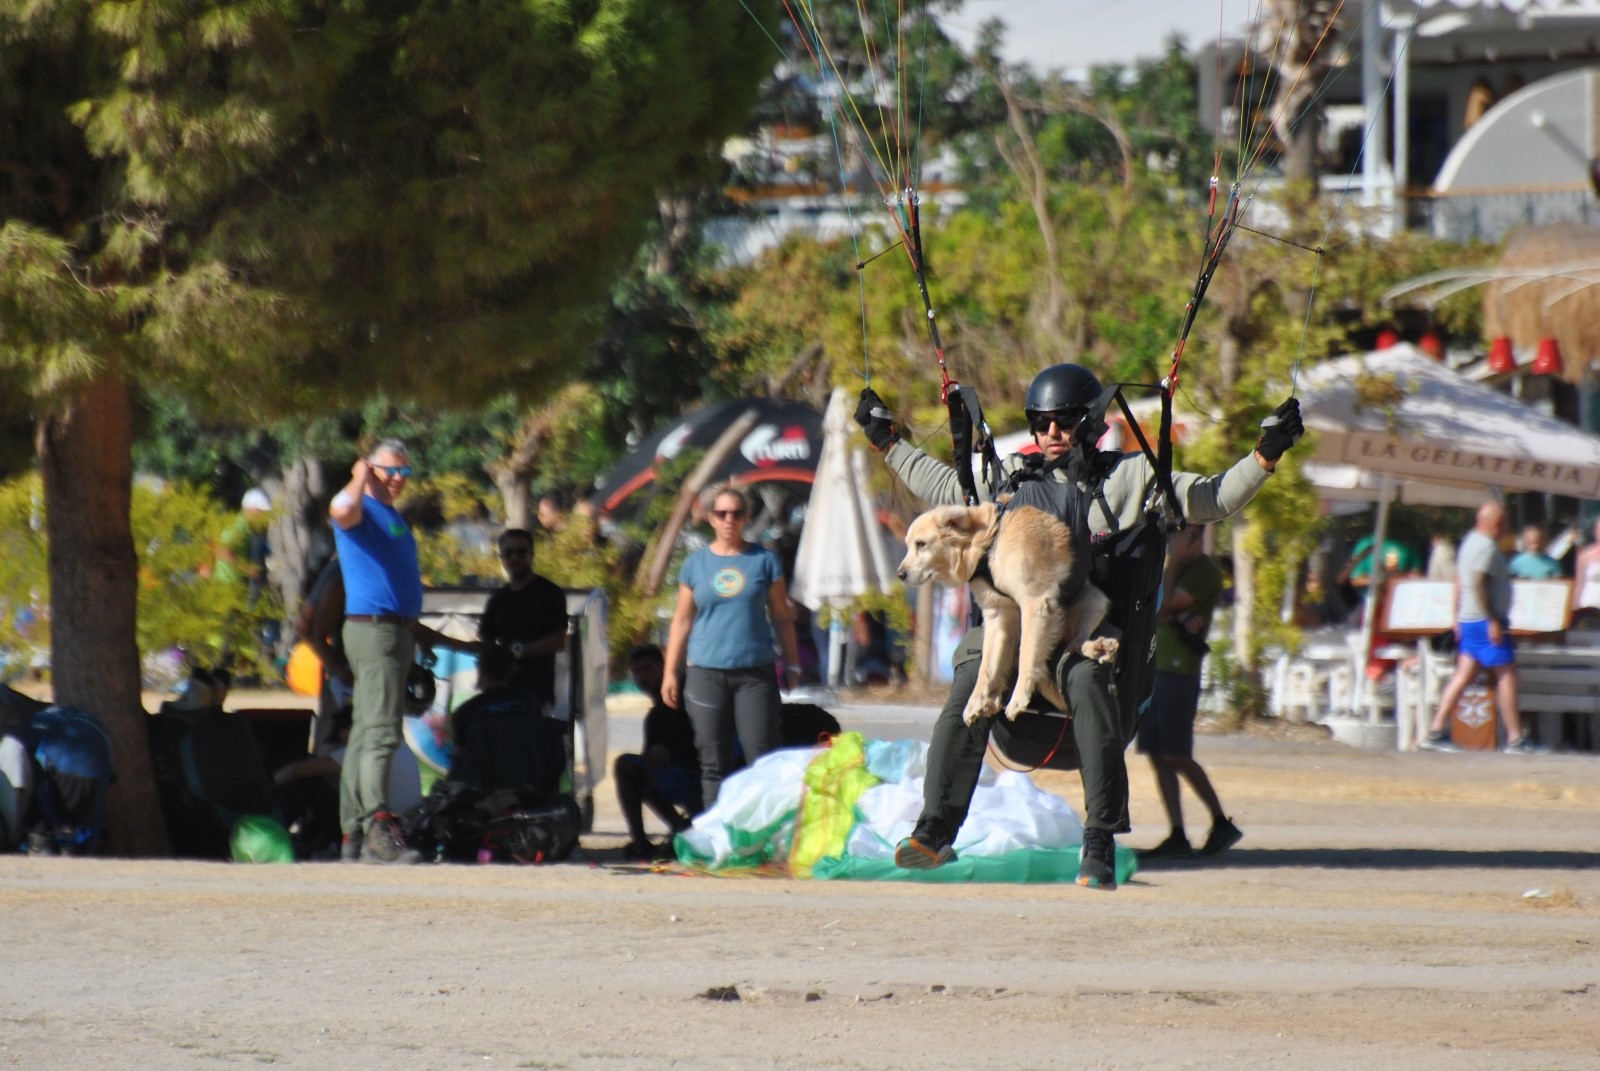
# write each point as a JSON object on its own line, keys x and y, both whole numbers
{"x": 1381, "y": 859}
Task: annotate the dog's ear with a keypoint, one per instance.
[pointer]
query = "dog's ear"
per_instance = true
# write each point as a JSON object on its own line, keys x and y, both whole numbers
{"x": 965, "y": 519}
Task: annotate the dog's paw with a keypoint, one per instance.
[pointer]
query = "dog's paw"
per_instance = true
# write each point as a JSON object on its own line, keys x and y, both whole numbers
{"x": 1103, "y": 649}
{"x": 980, "y": 705}
{"x": 1018, "y": 704}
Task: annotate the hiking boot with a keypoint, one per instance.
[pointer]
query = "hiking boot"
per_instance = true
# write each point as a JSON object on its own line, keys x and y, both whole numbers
{"x": 1224, "y": 835}
{"x": 1097, "y": 860}
{"x": 1174, "y": 847}
{"x": 1438, "y": 741}
{"x": 386, "y": 844}
{"x": 1524, "y": 746}
{"x": 928, "y": 846}
{"x": 350, "y": 848}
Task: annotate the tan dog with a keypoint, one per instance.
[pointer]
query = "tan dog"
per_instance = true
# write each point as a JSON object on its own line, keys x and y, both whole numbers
{"x": 1030, "y": 557}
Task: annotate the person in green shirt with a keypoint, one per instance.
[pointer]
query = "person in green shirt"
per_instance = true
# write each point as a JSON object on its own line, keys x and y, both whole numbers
{"x": 1166, "y": 733}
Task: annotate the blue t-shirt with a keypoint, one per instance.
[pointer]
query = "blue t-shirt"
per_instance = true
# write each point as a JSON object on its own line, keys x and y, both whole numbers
{"x": 379, "y": 559}
{"x": 731, "y": 630}
{"x": 1530, "y": 566}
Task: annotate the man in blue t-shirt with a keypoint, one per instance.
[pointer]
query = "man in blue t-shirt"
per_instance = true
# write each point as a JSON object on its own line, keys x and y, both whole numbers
{"x": 383, "y": 598}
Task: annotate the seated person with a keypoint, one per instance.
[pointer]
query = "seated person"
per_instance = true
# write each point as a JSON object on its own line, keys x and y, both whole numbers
{"x": 667, "y": 775}
{"x": 502, "y": 740}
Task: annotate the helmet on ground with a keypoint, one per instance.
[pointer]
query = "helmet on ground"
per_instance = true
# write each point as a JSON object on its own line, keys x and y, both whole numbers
{"x": 1062, "y": 386}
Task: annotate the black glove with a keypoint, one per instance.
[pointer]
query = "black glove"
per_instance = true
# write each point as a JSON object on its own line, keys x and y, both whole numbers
{"x": 876, "y": 420}
{"x": 1281, "y": 430}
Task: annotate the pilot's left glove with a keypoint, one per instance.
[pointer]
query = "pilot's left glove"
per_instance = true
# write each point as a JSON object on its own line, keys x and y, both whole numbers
{"x": 1281, "y": 430}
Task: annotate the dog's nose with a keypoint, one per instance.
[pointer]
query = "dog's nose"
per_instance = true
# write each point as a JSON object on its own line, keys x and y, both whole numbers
{"x": 902, "y": 575}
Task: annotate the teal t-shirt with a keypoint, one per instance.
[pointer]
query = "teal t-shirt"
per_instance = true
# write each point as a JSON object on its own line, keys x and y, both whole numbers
{"x": 731, "y": 630}
{"x": 1201, "y": 577}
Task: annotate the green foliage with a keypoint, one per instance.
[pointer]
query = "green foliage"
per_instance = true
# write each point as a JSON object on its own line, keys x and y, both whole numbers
{"x": 184, "y": 599}
{"x": 268, "y": 205}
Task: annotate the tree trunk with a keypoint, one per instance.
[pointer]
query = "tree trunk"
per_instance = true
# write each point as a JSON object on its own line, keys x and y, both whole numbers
{"x": 513, "y": 482}
{"x": 85, "y": 457}
{"x": 1251, "y": 690}
{"x": 299, "y": 534}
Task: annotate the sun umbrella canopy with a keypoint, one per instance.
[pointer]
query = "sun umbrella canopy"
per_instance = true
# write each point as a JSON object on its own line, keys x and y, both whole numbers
{"x": 842, "y": 552}
{"x": 1397, "y": 412}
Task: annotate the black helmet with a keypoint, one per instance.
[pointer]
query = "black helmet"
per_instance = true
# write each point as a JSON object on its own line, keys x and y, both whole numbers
{"x": 1062, "y": 386}
{"x": 420, "y": 689}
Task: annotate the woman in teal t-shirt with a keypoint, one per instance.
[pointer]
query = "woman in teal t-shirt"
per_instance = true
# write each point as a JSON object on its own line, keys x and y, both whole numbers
{"x": 731, "y": 597}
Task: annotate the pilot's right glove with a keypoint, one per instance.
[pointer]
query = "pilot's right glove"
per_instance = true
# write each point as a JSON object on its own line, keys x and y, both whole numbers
{"x": 876, "y": 420}
{"x": 1281, "y": 430}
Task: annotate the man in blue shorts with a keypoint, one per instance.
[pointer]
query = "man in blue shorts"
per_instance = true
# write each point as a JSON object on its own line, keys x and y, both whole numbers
{"x": 1483, "y": 633}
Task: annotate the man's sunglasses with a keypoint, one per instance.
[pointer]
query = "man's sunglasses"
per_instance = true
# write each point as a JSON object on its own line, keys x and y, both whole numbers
{"x": 393, "y": 470}
{"x": 1065, "y": 419}
{"x": 727, "y": 514}
{"x": 515, "y": 552}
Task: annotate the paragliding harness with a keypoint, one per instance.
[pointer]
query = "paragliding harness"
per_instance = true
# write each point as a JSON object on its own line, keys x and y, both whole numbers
{"x": 1126, "y": 564}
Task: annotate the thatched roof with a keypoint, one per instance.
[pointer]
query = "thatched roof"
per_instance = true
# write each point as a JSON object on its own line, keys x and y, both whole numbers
{"x": 1548, "y": 283}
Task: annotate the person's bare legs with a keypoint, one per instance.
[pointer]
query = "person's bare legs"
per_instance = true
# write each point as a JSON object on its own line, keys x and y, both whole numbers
{"x": 1505, "y": 693}
{"x": 1466, "y": 669}
{"x": 1167, "y": 785}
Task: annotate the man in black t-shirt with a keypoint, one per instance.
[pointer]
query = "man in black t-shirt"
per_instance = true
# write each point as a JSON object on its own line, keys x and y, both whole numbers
{"x": 667, "y": 776}
{"x": 528, "y": 617}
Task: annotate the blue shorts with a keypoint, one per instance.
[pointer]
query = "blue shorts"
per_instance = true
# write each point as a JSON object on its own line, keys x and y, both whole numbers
{"x": 1476, "y": 646}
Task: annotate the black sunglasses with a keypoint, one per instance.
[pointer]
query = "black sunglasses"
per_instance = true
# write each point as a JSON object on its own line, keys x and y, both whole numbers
{"x": 1065, "y": 419}
{"x": 727, "y": 514}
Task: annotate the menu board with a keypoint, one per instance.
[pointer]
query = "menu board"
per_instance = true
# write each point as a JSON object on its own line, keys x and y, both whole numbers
{"x": 1416, "y": 608}
{"x": 1539, "y": 606}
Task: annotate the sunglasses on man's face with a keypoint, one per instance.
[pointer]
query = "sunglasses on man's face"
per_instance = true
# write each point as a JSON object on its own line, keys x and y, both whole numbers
{"x": 727, "y": 514}
{"x": 515, "y": 552}
{"x": 393, "y": 470}
{"x": 1064, "y": 419}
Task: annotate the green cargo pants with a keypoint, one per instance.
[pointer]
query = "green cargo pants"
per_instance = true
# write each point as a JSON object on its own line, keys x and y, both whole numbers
{"x": 380, "y": 655}
{"x": 955, "y": 751}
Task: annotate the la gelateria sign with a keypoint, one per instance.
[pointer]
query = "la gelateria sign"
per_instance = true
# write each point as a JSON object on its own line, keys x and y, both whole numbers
{"x": 1444, "y": 461}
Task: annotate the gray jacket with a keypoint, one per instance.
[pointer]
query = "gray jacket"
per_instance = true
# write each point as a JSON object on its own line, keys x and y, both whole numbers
{"x": 1203, "y": 499}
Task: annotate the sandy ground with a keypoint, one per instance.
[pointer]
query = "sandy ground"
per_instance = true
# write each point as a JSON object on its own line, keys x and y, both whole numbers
{"x": 1384, "y": 911}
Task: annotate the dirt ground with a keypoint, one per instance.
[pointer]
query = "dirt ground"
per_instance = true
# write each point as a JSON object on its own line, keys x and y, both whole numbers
{"x": 1384, "y": 910}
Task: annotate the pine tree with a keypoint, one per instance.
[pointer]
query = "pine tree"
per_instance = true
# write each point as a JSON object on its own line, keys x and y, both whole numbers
{"x": 275, "y": 206}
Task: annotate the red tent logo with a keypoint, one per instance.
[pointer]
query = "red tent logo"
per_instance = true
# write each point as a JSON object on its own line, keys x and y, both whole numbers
{"x": 767, "y": 446}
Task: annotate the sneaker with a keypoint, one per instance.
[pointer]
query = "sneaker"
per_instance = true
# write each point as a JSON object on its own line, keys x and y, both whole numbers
{"x": 350, "y": 848}
{"x": 1524, "y": 746}
{"x": 1097, "y": 860}
{"x": 1438, "y": 741}
{"x": 1224, "y": 835}
{"x": 386, "y": 844}
{"x": 928, "y": 846}
{"x": 1174, "y": 847}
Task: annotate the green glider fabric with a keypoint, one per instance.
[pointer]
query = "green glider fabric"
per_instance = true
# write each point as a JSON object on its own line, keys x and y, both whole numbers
{"x": 1015, "y": 868}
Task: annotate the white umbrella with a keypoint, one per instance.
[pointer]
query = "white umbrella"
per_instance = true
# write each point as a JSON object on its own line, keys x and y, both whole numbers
{"x": 842, "y": 553}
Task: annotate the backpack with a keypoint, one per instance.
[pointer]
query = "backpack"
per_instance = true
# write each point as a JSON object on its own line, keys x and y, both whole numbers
{"x": 458, "y": 822}
{"x": 72, "y": 770}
